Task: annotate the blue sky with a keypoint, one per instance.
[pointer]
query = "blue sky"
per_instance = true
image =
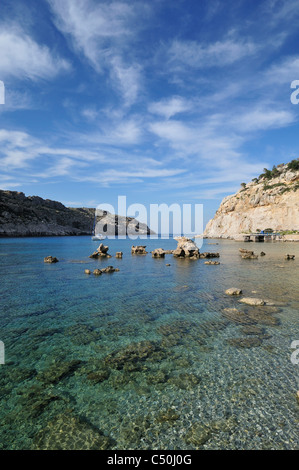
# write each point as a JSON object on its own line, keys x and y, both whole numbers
{"x": 162, "y": 101}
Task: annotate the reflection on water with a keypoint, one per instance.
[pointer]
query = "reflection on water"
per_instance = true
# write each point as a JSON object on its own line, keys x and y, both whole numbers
{"x": 151, "y": 357}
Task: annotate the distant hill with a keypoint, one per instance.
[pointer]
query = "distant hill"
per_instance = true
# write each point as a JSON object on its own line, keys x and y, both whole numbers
{"x": 32, "y": 216}
{"x": 269, "y": 201}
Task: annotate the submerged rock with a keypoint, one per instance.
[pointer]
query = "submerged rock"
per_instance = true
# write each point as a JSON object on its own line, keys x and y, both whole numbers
{"x": 212, "y": 262}
{"x": 185, "y": 381}
{"x": 169, "y": 415}
{"x": 251, "y": 342}
{"x": 259, "y": 315}
{"x": 82, "y": 334}
{"x": 58, "y": 371}
{"x": 236, "y": 316}
{"x": 253, "y": 330}
{"x": 133, "y": 353}
{"x": 69, "y": 432}
{"x": 198, "y": 435}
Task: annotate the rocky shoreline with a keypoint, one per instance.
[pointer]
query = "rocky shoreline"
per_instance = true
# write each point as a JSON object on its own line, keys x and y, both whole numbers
{"x": 32, "y": 216}
{"x": 269, "y": 202}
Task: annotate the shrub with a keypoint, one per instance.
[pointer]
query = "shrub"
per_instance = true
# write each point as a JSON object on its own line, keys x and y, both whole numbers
{"x": 294, "y": 165}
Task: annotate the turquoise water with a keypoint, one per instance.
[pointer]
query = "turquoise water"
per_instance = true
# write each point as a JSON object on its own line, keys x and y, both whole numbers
{"x": 147, "y": 357}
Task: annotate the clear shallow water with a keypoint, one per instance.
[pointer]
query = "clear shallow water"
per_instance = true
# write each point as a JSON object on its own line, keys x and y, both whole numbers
{"x": 146, "y": 358}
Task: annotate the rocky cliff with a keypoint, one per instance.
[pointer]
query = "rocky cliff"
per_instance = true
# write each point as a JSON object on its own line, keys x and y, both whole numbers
{"x": 269, "y": 201}
{"x": 22, "y": 216}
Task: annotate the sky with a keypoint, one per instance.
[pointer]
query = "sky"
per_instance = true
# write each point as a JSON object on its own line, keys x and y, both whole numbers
{"x": 160, "y": 101}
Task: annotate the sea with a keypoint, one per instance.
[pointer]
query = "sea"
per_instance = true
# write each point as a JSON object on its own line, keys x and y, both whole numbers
{"x": 153, "y": 356}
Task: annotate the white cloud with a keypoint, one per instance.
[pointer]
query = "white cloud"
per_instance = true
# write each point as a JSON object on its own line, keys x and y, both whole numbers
{"x": 93, "y": 27}
{"x": 169, "y": 107}
{"x": 262, "y": 119}
{"x": 219, "y": 54}
{"x": 102, "y": 33}
{"x": 127, "y": 79}
{"x": 21, "y": 57}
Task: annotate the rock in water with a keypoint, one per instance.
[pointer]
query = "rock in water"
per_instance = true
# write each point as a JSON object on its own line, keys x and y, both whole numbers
{"x": 101, "y": 252}
{"x": 287, "y": 257}
{"x": 158, "y": 253}
{"x": 50, "y": 259}
{"x": 186, "y": 248}
{"x": 233, "y": 291}
{"x": 252, "y": 301}
{"x": 138, "y": 250}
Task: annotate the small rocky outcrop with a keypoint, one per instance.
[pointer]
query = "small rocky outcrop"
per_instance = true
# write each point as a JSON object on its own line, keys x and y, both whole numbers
{"x": 206, "y": 255}
{"x": 50, "y": 259}
{"x": 186, "y": 249}
{"x": 212, "y": 262}
{"x": 233, "y": 291}
{"x": 108, "y": 269}
{"x": 158, "y": 253}
{"x": 97, "y": 272}
{"x": 119, "y": 254}
{"x": 101, "y": 252}
{"x": 247, "y": 254}
{"x": 138, "y": 250}
{"x": 252, "y": 301}
{"x": 287, "y": 257}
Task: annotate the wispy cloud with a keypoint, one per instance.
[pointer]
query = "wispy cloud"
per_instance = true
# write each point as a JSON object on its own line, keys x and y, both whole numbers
{"x": 23, "y": 58}
{"x": 101, "y": 33}
{"x": 169, "y": 107}
{"x": 197, "y": 55}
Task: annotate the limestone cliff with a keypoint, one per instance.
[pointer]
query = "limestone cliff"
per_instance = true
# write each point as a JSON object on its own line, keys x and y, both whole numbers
{"x": 22, "y": 216}
{"x": 269, "y": 201}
